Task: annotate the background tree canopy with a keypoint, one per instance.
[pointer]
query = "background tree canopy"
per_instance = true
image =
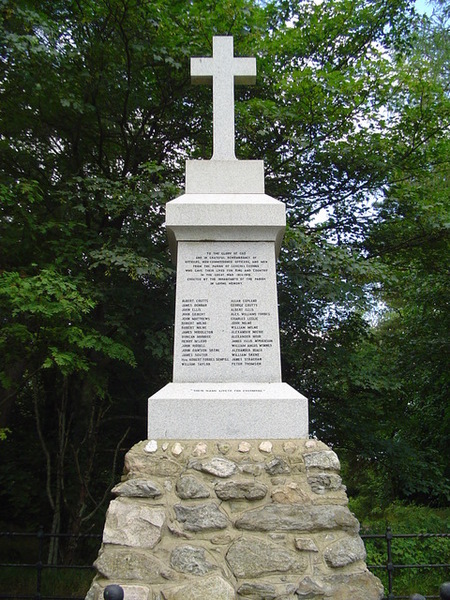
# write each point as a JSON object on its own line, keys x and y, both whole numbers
{"x": 350, "y": 114}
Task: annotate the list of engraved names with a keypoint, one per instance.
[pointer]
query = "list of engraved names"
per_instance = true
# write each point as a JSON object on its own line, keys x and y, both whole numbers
{"x": 226, "y": 317}
{"x": 248, "y": 340}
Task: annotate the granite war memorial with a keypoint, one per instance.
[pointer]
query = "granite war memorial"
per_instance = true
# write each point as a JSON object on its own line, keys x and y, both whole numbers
{"x": 224, "y": 234}
{"x": 228, "y": 497}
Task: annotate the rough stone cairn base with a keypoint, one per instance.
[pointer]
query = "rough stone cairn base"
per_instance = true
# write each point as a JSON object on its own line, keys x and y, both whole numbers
{"x": 226, "y": 519}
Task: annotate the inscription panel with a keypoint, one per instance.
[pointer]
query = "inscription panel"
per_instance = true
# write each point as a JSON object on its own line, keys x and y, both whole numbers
{"x": 226, "y": 316}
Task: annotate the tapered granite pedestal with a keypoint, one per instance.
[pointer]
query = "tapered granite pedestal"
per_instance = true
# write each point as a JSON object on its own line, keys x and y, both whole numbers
{"x": 227, "y": 369}
{"x": 228, "y": 498}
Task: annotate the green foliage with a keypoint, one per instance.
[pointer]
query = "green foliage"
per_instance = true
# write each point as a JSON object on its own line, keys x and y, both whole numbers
{"x": 409, "y": 550}
{"x": 45, "y": 310}
{"x": 350, "y": 114}
{"x": 4, "y": 433}
{"x": 46, "y": 296}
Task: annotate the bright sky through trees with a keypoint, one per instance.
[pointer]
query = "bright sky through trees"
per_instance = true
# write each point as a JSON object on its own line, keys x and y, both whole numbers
{"x": 424, "y": 7}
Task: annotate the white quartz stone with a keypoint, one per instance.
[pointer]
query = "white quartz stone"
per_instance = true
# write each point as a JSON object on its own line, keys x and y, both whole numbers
{"x": 200, "y": 449}
{"x": 229, "y": 411}
{"x": 151, "y": 447}
{"x": 266, "y": 446}
{"x": 244, "y": 447}
{"x": 177, "y": 449}
{"x": 290, "y": 447}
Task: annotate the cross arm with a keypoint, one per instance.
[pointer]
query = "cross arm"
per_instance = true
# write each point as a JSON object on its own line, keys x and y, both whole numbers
{"x": 202, "y": 71}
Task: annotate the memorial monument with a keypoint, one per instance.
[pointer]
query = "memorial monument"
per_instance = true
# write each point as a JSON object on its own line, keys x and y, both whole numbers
{"x": 228, "y": 498}
{"x": 224, "y": 234}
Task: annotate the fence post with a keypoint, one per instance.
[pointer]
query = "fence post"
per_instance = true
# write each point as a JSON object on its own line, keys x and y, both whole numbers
{"x": 40, "y": 537}
{"x": 390, "y": 564}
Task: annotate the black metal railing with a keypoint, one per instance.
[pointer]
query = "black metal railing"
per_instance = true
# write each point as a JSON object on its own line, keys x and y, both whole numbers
{"x": 115, "y": 592}
{"x": 40, "y": 566}
{"x": 390, "y": 567}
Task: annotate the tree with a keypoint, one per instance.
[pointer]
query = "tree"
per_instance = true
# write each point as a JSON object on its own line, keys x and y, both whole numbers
{"x": 98, "y": 117}
{"x": 79, "y": 206}
{"x": 411, "y": 239}
{"x": 393, "y": 379}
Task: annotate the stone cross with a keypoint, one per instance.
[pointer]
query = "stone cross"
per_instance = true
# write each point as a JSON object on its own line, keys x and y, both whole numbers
{"x": 223, "y": 70}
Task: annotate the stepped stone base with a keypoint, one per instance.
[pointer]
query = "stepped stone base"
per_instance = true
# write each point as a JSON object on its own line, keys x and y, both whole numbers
{"x": 230, "y": 519}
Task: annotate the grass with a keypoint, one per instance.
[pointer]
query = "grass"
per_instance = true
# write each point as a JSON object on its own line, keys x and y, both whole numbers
{"x": 408, "y": 581}
{"x": 70, "y": 583}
